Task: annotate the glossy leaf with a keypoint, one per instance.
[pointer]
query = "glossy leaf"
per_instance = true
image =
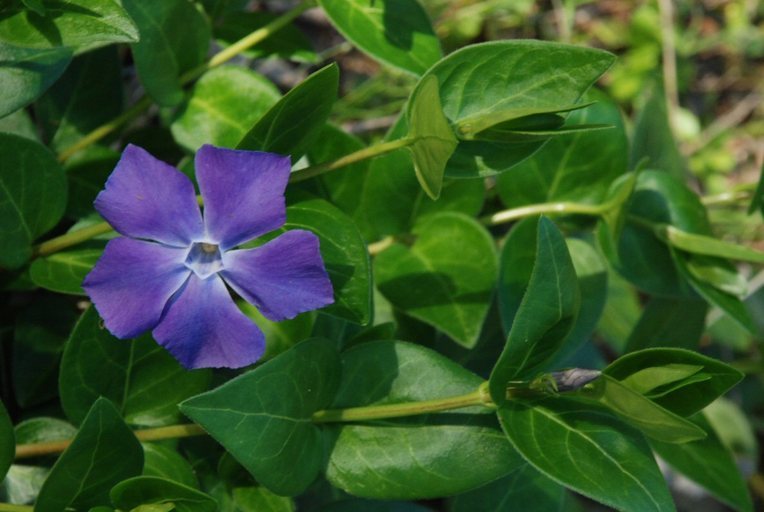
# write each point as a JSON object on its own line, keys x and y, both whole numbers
{"x": 103, "y": 453}
{"x": 150, "y": 490}
{"x": 384, "y": 459}
{"x": 434, "y": 140}
{"x": 523, "y": 489}
{"x": 280, "y": 336}
{"x": 7, "y": 442}
{"x": 78, "y": 24}
{"x": 26, "y": 73}
{"x": 677, "y": 323}
{"x": 527, "y": 77}
{"x": 222, "y": 107}
{"x": 262, "y": 417}
{"x": 143, "y": 380}
{"x": 708, "y": 463}
{"x": 164, "y": 462}
{"x": 287, "y": 43}
{"x": 579, "y": 167}
{"x": 640, "y": 412}
{"x": 294, "y": 122}
{"x": 395, "y": 32}
{"x": 681, "y": 399}
{"x": 164, "y": 53}
{"x": 545, "y": 316}
{"x": 32, "y": 196}
{"x": 63, "y": 272}
{"x": 653, "y": 137}
{"x": 429, "y": 282}
{"x": 585, "y": 448}
{"x": 344, "y": 254}
{"x": 260, "y": 499}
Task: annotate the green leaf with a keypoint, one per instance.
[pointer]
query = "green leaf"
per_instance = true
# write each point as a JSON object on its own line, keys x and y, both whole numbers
{"x": 355, "y": 504}
{"x": 280, "y": 336}
{"x": 287, "y": 43}
{"x": 653, "y": 420}
{"x": 222, "y": 107}
{"x": 38, "y": 340}
{"x": 263, "y": 417}
{"x": 527, "y": 77}
{"x": 757, "y": 201}
{"x": 63, "y": 272}
{"x": 395, "y": 32}
{"x": 81, "y": 25}
{"x": 579, "y": 167}
{"x": 434, "y": 141}
{"x": 26, "y": 73}
{"x": 344, "y": 254}
{"x": 717, "y": 272}
{"x": 88, "y": 95}
{"x": 524, "y": 489}
{"x": 296, "y": 120}
{"x": 151, "y": 490}
{"x": 103, "y": 453}
{"x": 32, "y": 196}
{"x": 260, "y": 499}
{"x": 174, "y": 39}
{"x": 87, "y": 172}
{"x": 683, "y": 399}
{"x": 7, "y": 442}
{"x": 35, "y": 5}
{"x": 585, "y": 448}
{"x": 143, "y": 380}
{"x": 384, "y": 459}
{"x": 545, "y": 316}
{"x": 164, "y": 462}
{"x": 708, "y": 245}
{"x": 22, "y": 483}
{"x": 42, "y": 429}
{"x": 653, "y": 138}
{"x": 431, "y": 283}
{"x": 675, "y": 323}
{"x": 19, "y": 123}
{"x": 710, "y": 464}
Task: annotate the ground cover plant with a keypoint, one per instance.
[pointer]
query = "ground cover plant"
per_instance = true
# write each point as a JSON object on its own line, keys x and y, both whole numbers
{"x": 385, "y": 255}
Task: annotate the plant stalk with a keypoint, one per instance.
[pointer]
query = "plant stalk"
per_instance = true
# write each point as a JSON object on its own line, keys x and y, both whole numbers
{"x": 559, "y": 208}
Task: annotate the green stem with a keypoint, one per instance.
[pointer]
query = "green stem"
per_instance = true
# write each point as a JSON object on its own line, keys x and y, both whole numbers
{"x": 352, "y": 158}
{"x": 377, "y": 412}
{"x": 221, "y": 57}
{"x": 726, "y": 198}
{"x": 559, "y": 208}
{"x": 69, "y": 239}
{"x": 9, "y": 507}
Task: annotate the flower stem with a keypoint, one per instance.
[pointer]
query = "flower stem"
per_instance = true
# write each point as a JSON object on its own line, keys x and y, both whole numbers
{"x": 377, "y": 412}
{"x": 10, "y": 507}
{"x": 561, "y": 208}
{"x": 219, "y": 58}
{"x": 352, "y": 158}
{"x": 69, "y": 239}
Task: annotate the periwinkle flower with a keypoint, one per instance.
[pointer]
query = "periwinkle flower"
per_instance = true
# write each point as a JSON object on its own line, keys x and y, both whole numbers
{"x": 169, "y": 271}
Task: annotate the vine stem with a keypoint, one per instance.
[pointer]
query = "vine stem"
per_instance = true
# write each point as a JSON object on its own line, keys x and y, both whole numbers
{"x": 561, "y": 208}
{"x": 10, "y": 507}
{"x": 216, "y": 60}
{"x": 479, "y": 397}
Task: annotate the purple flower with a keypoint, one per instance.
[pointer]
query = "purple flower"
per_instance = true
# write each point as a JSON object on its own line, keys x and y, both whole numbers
{"x": 169, "y": 271}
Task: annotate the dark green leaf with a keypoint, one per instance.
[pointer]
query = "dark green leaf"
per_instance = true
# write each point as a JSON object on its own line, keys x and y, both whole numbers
{"x": 280, "y": 336}
{"x": 353, "y": 505}
{"x": 446, "y": 278}
{"x": 395, "y": 32}
{"x": 174, "y": 39}
{"x": 434, "y": 141}
{"x": 138, "y": 375}
{"x": 384, "y": 459}
{"x": 32, "y": 196}
{"x": 653, "y": 138}
{"x": 684, "y": 399}
{"x": 86, "y": 96}
{"x": 151, "y": 490}
{"x": 675, "y": 323}
{"x": 588, "y": 450}
{"x": 35, "y": 5}
{"x": 260, "y": 499}
{"x": 579, "y": 167}
{"x": 42, "y": 429}
{"x": 103, "y": 453}
{"x": 26, "y": 73}
{"x": 709, "y": 464}
{"x": 545, "y": 316}
{"x": 344, "y": 254}
{"x": 524, "y": 489}
{"x": 81, "y": 25}
{"x": 19, "y": 123}
{"x": 7, "y": 442}
{"x": 164, "y": 462}
{"x": 63, "y": 272}
{"x": 263, "y": 417}
{"x": 222, "y": 107}
{"x": 527, "y": 77}
{"x": 757, "y": 201}
{"x": 296, "y": 120}
{"x": 87, "y": 172}
{"x": 287, "y": 43}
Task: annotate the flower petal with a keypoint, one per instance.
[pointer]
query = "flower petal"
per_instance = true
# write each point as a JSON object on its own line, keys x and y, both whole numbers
{"x": 132, "y": 282}
{"x": 282, "y": 278}
{"x": 203, "y": 328}
{"x": 147, "y": 198}
{"x": 243, "y": 193}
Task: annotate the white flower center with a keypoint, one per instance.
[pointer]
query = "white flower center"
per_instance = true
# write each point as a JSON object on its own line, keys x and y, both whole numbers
{"x": 204, "y": 259}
